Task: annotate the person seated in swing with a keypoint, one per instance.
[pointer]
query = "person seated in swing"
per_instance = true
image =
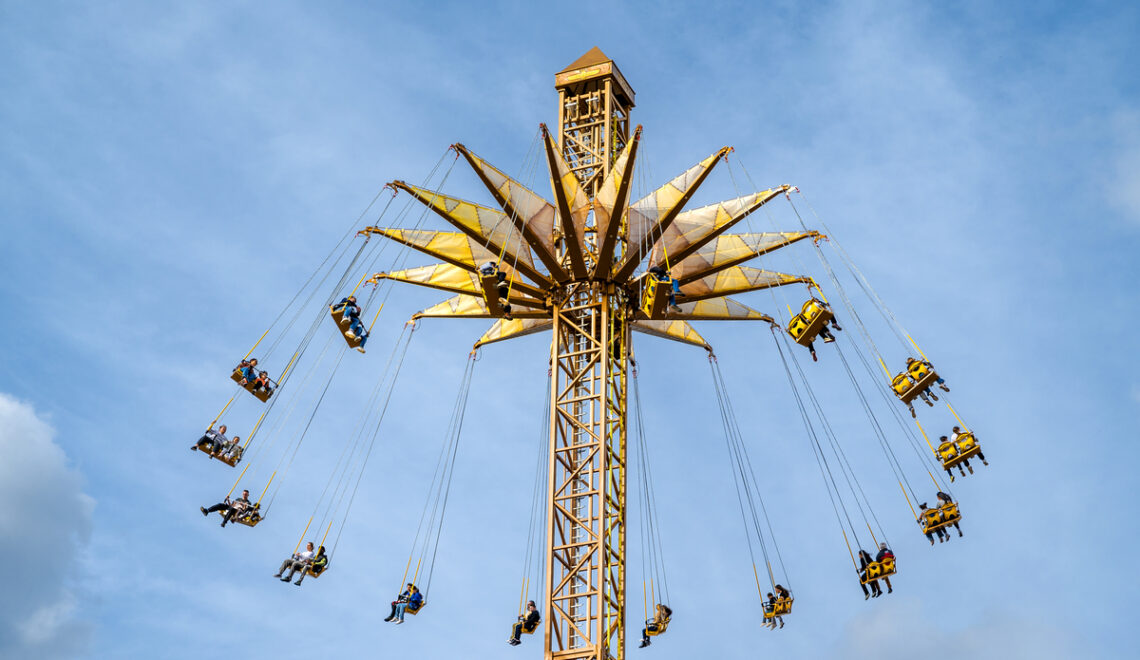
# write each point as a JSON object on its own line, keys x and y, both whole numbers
{"x": 211, "y": 441}
{"x": 865, "y": 562}
{"x": 927, "y": 518}
{"x": 319, "y": 564}
{"x": 661, "y": 275}
{"x": 350, "y": 314}
{"x": 411, "y": 597}
{"x": 347, "y": 308}
{"x": 249, "y": 372}
{"x": 925, "y": 366}
{"x": 824, "y": 332}
{"x": 242, "y": 368}
{"x": 228, "y": 508}
{"x": 770, "y": 609}
{"x": 944, "y": 500}
{"x": 947, "y": 446}
{"x": 262, "y": 383}
{"x": 883, "y": 555}
{"x": 955, "y": 434}
{"x": 231, "y": 451}
{"x": 298, "y": 562}
{"x": 658, "y": 623}
{"x": 528, "y": 622}
{"x": 250, "y": 515}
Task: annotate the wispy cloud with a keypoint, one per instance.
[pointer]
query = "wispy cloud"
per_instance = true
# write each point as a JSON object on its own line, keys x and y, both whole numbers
{"x": 48, "y": 529}
{"x": 1123, "y": 184}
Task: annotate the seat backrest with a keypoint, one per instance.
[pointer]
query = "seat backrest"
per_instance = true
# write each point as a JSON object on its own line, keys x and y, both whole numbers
{"x": 874, "y": 569}
{"x": 966, "y": 441}
{"x": 918, "y": 369}
{"x": 888, "y": 565}
{"x": 797, "y": 326}
{"x": 902, "y": 383}
{"x": 947, "y": 450}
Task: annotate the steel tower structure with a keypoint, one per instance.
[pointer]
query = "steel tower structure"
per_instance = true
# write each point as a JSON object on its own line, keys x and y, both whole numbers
{"x": 579, "y": 266}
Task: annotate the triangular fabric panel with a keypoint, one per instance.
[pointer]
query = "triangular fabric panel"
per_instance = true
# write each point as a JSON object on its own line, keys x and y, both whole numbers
{"x": 576, "y": 198}
{"x": 508, "y": 329}
{"x": 730, "y": 250}
{"x": 534, "y": 212}
{"x": 645, "y": 213}
{"x": 738, "y": 279}
{"x": 444, "y": 277}
{"x": 675, "y": 330}
{"x": 717, "y": 309}
{"x": 694, "y": 228}
{"x": 468, "y": 306}
{"x": 488, "y": 225}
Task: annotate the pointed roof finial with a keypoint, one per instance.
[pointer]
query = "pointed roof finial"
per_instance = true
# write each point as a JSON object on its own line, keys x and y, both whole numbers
{"x": 593, "y": 57}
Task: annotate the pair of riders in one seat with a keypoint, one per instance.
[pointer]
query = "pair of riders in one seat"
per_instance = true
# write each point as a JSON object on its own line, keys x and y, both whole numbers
{"x": 350, "y": 314}
{"x": 957, "y": 444}
{"x": 216, "y": 444}
{"x": 501, "y": 285}
{"x": 252, "y": 378}
{"x": 307, "y": 562}
{"x": 937, "y": 521}
{"x": 410, "y": 599}
{"x": 771, "y": 611}
{"x": 865, "y": 564}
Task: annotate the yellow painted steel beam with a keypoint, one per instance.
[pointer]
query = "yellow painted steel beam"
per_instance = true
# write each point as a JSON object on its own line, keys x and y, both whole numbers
{"x": 609, "y": 206}
{"x": 573, "y": 205}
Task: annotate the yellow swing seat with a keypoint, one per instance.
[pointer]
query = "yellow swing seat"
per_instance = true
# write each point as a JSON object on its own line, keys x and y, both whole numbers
{"x": 781, "y": 607}
{"x": 414, "y": 610}
{"x": 530, "y": 630}
{"x": 877, "y": 570}
{"x": 262, "y": 395}
{"x": 221, "y": 456}
{"x": 954, "y": 452}
{"x": 923, "y": 374}
{"x": 942, "y": 517}
{"x": 654, "y": 300}
{"x": 338, "y": 316}
{"x": 806, "y": 326}
{"x": 250, "y": 517}
{"x": 490, "y": 286}
{"x": 318, "y": 572}
{"x": 907, "y": 386}
{"x": 654, "y": 628}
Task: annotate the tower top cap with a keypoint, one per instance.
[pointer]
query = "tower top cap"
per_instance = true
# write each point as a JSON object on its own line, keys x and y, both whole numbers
{"x": 594, "y": 65}
{"x": 593, "y": 57}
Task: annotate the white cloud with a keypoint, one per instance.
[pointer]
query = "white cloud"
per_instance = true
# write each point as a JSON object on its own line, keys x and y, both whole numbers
{"x": 902, "y": 628}
{"x": 48, "y": 517}
{"x": 1124, "y": 184}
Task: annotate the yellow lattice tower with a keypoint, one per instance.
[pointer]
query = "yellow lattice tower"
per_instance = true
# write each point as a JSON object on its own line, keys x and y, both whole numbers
{"x": 575, "y": 266}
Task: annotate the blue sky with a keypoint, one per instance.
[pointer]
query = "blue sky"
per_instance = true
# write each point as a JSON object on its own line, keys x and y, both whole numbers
{"x": 169, "y": 175}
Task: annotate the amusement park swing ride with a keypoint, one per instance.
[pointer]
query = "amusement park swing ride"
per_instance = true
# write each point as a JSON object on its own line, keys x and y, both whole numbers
{"x": 592, "y": 266}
